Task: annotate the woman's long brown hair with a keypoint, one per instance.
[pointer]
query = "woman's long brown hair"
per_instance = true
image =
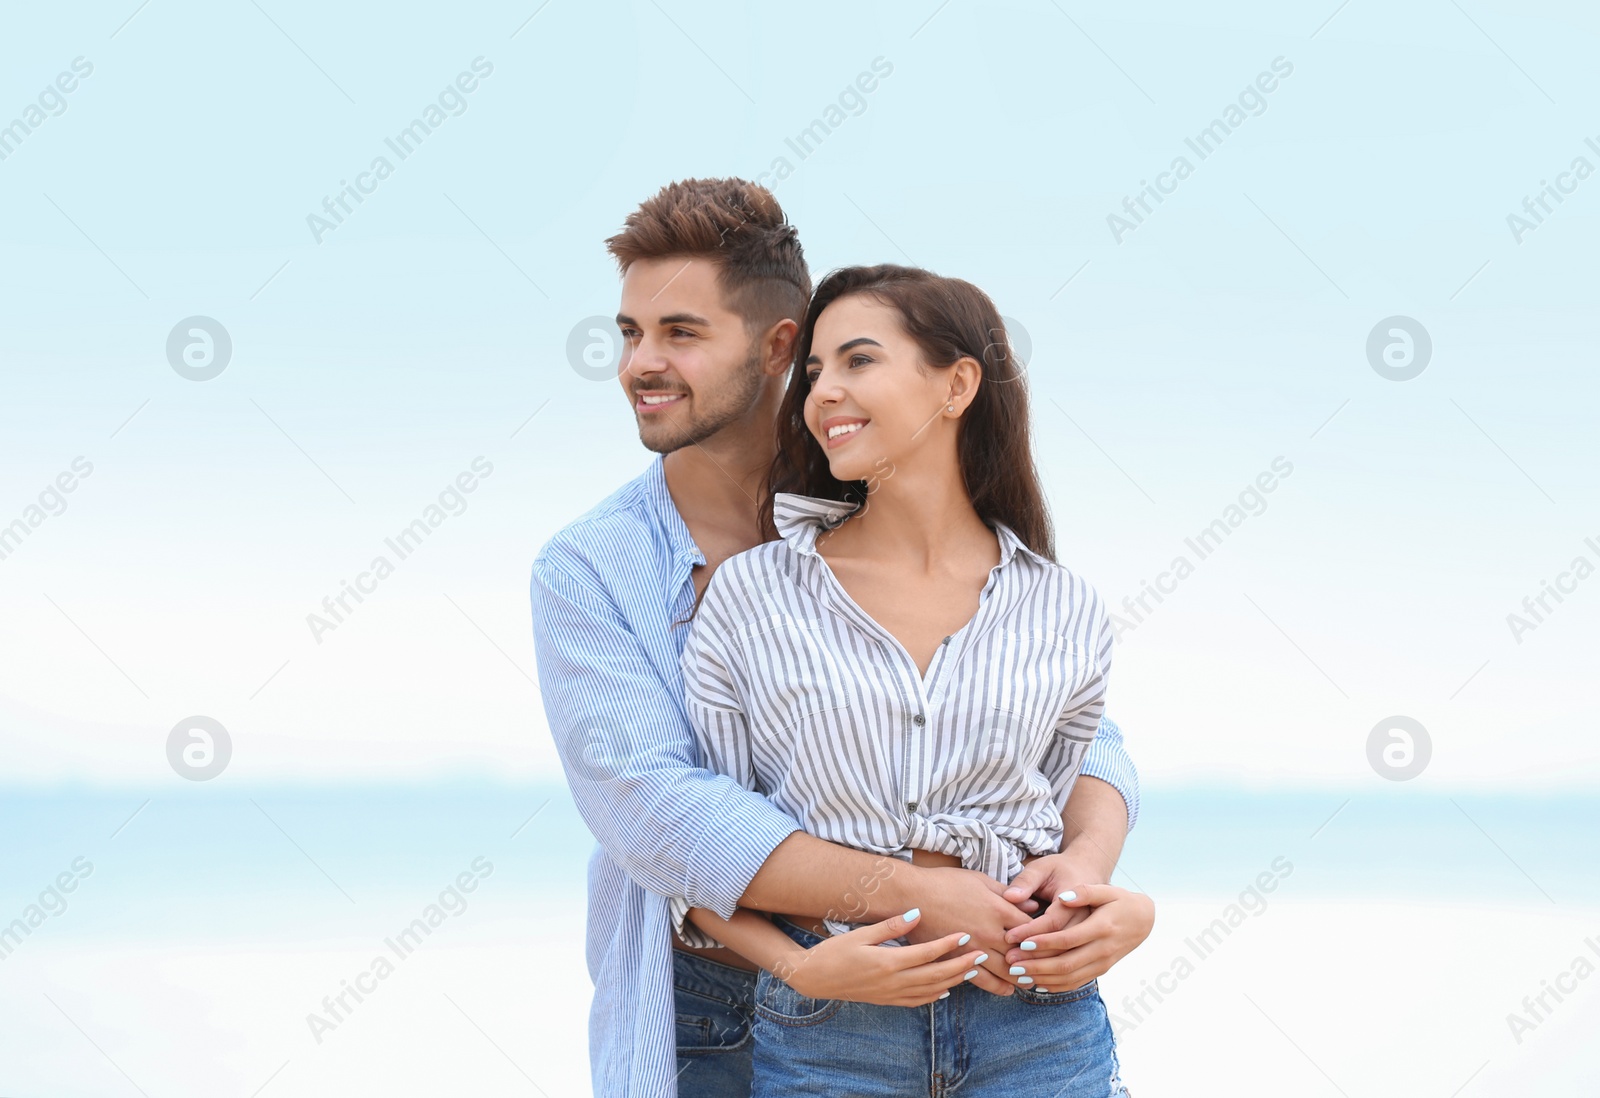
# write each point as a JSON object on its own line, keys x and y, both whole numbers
{"x": 948, "y": 319}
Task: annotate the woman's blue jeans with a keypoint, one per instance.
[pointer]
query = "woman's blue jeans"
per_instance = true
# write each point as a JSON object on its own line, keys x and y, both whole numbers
{"x": 1030, "y": 1044}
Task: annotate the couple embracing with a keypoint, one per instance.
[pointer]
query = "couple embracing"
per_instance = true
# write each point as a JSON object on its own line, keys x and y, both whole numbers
{"x": 826, "y": 698}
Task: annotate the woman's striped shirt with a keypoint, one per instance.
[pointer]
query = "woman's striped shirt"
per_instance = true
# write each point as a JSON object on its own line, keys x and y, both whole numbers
{"x": 794, "y": 691}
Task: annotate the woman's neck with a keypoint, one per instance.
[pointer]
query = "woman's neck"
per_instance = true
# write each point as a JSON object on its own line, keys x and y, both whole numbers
{"x": 919, "y": 522}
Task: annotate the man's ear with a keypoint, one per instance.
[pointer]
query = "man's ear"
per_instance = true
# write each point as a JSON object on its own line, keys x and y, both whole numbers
{"x": 778, "y": 347}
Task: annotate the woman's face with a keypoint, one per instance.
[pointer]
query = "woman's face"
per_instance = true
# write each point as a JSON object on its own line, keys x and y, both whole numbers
{"x": 873, "y": 402}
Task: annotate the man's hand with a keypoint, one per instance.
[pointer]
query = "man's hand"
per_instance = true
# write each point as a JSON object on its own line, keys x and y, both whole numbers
{"x": 1063, "y": 949}
{"x": 1050, "y": 876}
{"x": 964, "y": 901}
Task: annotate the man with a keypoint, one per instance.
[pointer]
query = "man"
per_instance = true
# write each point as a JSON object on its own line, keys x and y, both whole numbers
{"x": 714, "y": 282}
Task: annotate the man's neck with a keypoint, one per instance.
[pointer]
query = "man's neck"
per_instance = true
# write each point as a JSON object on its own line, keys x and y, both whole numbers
{"x": 716, "y": 488}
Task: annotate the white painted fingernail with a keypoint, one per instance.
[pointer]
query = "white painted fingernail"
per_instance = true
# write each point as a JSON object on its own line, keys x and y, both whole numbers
{"x": 970, "y": 975}
{"x": 1024, "y": 979}
{"x": 965, "y": 938}
{"x": 980, "y": 958}
{"x": 1067, "y": 897}
{"x": 914, "y": 913}
{"x": 1029, "y": 944}
{"x": 944, "y": 995}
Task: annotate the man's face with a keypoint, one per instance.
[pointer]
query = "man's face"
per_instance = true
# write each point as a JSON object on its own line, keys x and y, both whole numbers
{"x": 688, "y": 367}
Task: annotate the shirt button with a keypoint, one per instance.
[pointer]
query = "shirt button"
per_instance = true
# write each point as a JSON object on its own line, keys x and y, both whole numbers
{"x": 945, "y": 641}
{"x": 919, "y": 719}
{"x": 911, "y": 806}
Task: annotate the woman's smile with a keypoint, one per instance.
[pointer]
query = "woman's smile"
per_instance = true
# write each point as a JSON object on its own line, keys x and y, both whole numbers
{"x": 841, "y": 429}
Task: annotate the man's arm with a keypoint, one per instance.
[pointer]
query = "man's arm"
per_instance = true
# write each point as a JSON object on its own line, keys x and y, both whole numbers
{"x": 1097, "y": 818}
{"x": 676, "y": 828}
{"x": 1109, "y": 761}
{"x": 1095, "y": 823}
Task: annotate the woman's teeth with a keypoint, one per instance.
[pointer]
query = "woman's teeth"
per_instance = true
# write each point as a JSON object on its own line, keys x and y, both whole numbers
{"x": 844, "y": 429}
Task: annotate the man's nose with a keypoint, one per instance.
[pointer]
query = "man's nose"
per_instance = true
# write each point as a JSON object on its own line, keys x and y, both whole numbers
{"x": 645, "y": 358}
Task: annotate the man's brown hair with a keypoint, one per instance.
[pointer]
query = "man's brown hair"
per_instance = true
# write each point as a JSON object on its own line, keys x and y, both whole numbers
{"x": 735, "y": 224}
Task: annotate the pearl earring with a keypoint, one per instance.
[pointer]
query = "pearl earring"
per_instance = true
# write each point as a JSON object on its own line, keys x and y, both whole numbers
{"x": 949, "y": 407}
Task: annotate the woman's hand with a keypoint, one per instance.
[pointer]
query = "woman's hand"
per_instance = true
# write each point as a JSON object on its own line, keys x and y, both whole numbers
{"x": 1078, "y": 939}
{"x": 964, "y": 900}
{"x": 855, "y": 967}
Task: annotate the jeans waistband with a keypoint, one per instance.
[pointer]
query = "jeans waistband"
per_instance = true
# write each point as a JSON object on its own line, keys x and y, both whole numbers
{"x": 800, "y": 934}
{"x": 692, "y": 972}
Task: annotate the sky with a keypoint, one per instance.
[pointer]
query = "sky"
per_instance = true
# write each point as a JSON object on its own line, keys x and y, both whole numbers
{"x": 1347, "y": 287}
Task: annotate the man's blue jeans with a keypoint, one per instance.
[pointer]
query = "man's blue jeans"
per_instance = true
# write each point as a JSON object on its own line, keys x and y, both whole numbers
{"x": 714, "y": 1003}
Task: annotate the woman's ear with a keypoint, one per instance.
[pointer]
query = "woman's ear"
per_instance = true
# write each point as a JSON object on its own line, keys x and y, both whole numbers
{"x": 965, "y": 377}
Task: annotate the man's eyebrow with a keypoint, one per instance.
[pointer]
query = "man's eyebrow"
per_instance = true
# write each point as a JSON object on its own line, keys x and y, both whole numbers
{"x": 675, "y": 318}
{"x": 859, "y": 341}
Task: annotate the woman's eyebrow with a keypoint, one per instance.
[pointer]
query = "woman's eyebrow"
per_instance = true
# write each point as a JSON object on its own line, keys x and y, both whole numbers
{"x": 859, "y": 341}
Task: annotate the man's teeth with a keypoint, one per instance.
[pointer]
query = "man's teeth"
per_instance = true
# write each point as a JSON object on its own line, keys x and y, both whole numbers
{"x": 844, "y": 429}
{"x": 660, "y": 399}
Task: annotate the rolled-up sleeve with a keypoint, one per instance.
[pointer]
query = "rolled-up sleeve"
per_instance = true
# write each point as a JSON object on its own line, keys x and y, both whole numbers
{"x": 674, "y": 827}
{"x": 1108, "y": 760}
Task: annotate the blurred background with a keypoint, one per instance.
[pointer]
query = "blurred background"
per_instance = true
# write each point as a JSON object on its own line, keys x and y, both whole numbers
{"x": 277, "y": 280}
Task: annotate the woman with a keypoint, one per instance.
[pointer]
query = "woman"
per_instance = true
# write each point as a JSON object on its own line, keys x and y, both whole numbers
{"x": 906, "y": 670}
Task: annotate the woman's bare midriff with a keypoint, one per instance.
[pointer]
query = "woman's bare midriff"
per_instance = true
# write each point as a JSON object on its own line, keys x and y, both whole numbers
{"x": 929, "y": 859}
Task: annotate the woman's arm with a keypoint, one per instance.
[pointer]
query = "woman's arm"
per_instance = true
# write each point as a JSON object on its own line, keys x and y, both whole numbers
{"x": 853, "y": 966}
{"x": 753, "y": 937}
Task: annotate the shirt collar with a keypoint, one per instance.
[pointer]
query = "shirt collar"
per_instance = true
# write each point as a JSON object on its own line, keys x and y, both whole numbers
{"x": 679, "y": 540}
{"x": 800, "y": 519}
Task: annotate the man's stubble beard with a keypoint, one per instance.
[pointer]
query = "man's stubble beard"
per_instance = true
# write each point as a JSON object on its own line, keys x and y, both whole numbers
{"x": 676, "y": 432}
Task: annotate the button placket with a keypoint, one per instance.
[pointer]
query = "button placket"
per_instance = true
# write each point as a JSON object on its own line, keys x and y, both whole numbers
{"x": 914, "y": 769}
{"x": 927, "y": 689}
{"x": 913, "y": 748}
{"x": 918, "y": 731}
{"x": 916, "y": 745}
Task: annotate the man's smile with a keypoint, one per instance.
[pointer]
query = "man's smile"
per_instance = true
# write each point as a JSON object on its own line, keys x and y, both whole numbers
{"x": 652, "y": 402}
